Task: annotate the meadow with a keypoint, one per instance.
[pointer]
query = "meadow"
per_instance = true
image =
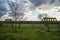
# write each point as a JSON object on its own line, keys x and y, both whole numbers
{"x": 29, "y": 32}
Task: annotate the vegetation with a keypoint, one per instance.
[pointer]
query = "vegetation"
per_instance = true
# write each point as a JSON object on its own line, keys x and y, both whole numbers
{"x": 29, "y": 32}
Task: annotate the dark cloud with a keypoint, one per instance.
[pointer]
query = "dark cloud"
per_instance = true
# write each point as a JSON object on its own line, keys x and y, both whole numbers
{"x": 3, "y": 8}
{"x": 36, "y": 2}
{"x": 40, "y": 2}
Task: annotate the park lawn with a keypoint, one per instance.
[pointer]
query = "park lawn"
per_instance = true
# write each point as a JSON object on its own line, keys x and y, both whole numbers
{"x": 29, "y": 32}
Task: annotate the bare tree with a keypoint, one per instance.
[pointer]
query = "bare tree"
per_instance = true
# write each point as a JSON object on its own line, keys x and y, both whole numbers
{"x": 16, "y": 10}
{"x": 13, "y": 8}
{"x": 41, "y": 16}
{"x": 45, "y": 15}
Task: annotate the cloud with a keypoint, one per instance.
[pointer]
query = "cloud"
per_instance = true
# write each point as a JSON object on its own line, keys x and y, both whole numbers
{"x": 40, "y": 2}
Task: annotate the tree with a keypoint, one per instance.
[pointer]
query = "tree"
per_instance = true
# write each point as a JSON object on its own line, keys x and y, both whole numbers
{"x": 41, "y": 16}
{"x": 45, "y": 15}
{"x": 15, "y": 8}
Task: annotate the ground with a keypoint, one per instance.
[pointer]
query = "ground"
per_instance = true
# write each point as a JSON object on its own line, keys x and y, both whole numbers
{"x": 29, "y": 32}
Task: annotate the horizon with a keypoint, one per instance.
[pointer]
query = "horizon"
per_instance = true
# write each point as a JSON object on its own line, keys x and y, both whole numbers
{"x": 52, "y": 10}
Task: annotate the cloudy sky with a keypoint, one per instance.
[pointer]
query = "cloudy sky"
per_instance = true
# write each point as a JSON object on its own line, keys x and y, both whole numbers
{"x": 50, "y": 7}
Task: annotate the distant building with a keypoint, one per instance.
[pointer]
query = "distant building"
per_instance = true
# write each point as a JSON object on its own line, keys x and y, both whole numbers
{"x": 49, "y": 19}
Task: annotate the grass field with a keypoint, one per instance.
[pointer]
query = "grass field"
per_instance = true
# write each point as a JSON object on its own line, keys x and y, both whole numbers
{"x": 29, "y": 32}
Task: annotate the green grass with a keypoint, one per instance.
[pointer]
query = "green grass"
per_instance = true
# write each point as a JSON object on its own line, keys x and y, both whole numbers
{"x": 29, "y": 32}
